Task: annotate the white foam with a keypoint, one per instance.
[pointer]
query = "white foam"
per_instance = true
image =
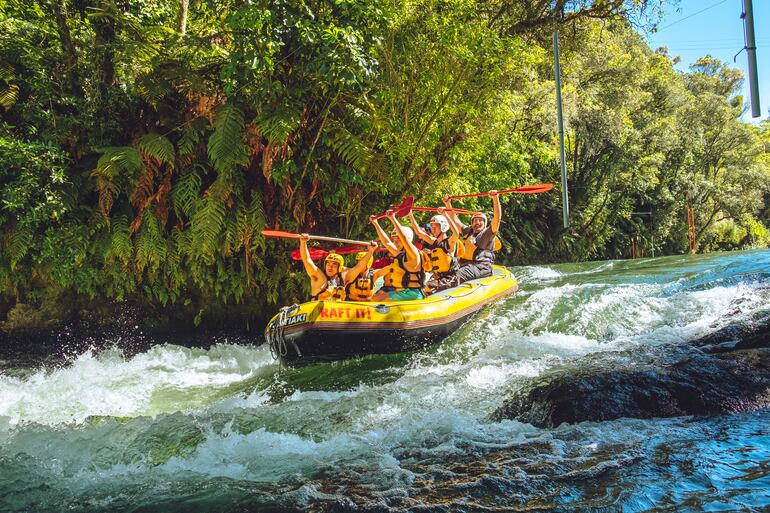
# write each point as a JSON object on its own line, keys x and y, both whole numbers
{"x": 164, "y": 379}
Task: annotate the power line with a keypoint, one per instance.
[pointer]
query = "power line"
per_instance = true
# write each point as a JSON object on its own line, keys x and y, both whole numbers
{"x": 690, "y": 16}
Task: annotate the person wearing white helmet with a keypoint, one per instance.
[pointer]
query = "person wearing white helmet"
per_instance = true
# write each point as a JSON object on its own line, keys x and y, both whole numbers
{"x": 479, "y": 241}
{"x": 439, "y": 252}
{"x": 404, "y": 278}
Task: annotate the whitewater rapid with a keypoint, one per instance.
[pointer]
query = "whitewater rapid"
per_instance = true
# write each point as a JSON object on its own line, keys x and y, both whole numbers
{"x": 104, "y": 429}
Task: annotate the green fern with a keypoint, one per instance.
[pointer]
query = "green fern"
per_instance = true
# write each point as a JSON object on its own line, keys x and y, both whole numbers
{"x": 19, "y": 243}
{"x": 151, "y": 247}
{"x": 226, "y": 148}
{"x": 207, "y": 225}
{"x": 120, "y": 241}
{"x": 191, "y": 136}
{"x": 186, "y": 192}
{"x": 350, "y": 148}
{"x": 277, "y": 126}
{"x": 118, "y": 161}
{"x": 9, "y": 96}
{"x": 158, "y": 147}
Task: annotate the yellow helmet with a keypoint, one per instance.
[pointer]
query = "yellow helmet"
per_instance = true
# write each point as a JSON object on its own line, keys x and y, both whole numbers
{"x": 364, "y": 254}
{"x": 334, "y": 257}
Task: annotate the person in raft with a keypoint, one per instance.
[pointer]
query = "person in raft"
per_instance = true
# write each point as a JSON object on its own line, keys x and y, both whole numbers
{"x": 362, "y": 288}
{"x": 329, "y": 283}
{"x": 439, "y": 253}
{"x": 404, "y": 277}
{"x": 479, "y": 241}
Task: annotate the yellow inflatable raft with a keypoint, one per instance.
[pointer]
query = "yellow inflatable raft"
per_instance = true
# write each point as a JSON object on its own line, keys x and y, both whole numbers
{"x": 333, "y": 330}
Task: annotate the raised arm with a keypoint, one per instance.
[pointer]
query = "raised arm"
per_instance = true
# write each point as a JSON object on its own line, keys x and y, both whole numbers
{"x": 450, "y": 214}
{"x": 456, "y": 230}
{"x": 497, "y": 211}
{"x": 392, "y": 249}
{"x": 412, "y": 253}
{"x": 310, "y": 266}
{"x": 419, "y": 231}
{"x": 351, "y": 274}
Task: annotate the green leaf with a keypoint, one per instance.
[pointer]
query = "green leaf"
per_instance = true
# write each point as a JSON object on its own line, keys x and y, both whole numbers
{"x": 157, "y": 147}
{"x": 226, "y": 147}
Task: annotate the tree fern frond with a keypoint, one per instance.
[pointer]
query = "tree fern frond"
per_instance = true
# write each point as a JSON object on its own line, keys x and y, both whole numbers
{"x": 278, "y": 125}
{"x": 9, "y": 96}
{"x": 207, "y": 225}
{"x": 6, "y": 71}
{"x": 226, "y": 147}
{"x": 234, "y": 227}
{"x": 191, "y": 136}
{"x": 350, "y": 148}
{"x": 120, "y": 241}
{"x": 19, "y": 243}
{"x": 144, "y": 189}
{"x": 108, "y": 191}
{"x": 186, "y": 192}
{"x": 116, "y": 161}
{"x": 158, "y": 147}
{"x": 151, "y": 246}
{"x": 257, "y": 222}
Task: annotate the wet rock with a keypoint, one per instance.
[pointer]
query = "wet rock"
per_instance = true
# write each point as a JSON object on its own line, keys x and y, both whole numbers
{"x": 727, "y": 371}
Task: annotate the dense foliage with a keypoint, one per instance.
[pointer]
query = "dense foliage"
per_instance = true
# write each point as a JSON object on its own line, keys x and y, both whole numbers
{"x": 144, "y": 145}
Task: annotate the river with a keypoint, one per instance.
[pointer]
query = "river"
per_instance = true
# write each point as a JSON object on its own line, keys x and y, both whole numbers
{"x": 224, "y": 428}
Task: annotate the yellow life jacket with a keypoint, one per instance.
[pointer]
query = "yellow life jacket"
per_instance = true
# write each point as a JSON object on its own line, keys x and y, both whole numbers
{"x": 399, "y": 278}
{"x": 334, "y": 290}
{"x": 437, "y": 258}
{"x": 362, "y": 288}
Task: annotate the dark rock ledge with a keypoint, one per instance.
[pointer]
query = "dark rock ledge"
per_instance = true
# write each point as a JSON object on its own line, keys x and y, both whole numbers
{"x": 726, "y": 371}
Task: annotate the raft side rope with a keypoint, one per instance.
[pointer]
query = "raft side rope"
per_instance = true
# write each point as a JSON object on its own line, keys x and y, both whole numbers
{"x": 275, "y": 336}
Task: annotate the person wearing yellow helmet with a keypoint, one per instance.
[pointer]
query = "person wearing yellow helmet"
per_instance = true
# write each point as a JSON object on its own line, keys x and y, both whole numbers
{"x": 404, "y": 277}
{"x": 329, "y": 283}
{"x": 362, "y": 288}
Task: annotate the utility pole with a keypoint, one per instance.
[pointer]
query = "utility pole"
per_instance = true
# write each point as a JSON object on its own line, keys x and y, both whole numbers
{"x": 751, "y": 49}
{"x": 560, "y": 118}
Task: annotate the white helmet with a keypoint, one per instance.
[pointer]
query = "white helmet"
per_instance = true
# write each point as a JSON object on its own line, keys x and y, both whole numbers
{"x": 482, "y": 215}
{"x": 407, "y": 231}
{"x": 441, "y": 221}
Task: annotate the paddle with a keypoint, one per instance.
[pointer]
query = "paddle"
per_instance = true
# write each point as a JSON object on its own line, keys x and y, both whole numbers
{"x": 288, "y": 235}
{"x": 436, "y": 209}
{"x": 318, "y": 253}
{"x": 527, "y": 189}
{"x": 401, "y": 210}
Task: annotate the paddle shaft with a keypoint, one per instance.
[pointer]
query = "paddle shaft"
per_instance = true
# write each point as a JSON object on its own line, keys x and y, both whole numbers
{"x": 435, "y": 209}
{"x": 527, "y": 189}
{"x": 287, "y": 235}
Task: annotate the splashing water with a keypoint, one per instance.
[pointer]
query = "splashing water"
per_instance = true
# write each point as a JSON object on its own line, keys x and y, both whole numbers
{"x": 226, "y": 428}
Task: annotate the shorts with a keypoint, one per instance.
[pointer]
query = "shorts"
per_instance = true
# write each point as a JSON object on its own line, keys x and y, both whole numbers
{"x": 406, "y": 295}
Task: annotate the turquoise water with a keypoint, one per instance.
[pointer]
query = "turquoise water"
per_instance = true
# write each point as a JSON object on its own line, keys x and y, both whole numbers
{"x": 227, "y": 429}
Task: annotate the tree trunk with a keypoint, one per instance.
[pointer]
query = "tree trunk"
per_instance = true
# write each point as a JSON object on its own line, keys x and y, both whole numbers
{"x": 104, "y": 32}
{"x": 68, "y": 47}
{"x": 184, "y": 6}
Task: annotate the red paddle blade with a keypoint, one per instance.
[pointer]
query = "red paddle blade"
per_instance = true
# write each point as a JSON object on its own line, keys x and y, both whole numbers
{"x": 531, "y": 189}
{"x": 381, "y": 262}
{"x": 315, "y": 254}
{"x": 401, "y": 210}
{"x": 405, "y": 207}
{"x": 278, "y": 233}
